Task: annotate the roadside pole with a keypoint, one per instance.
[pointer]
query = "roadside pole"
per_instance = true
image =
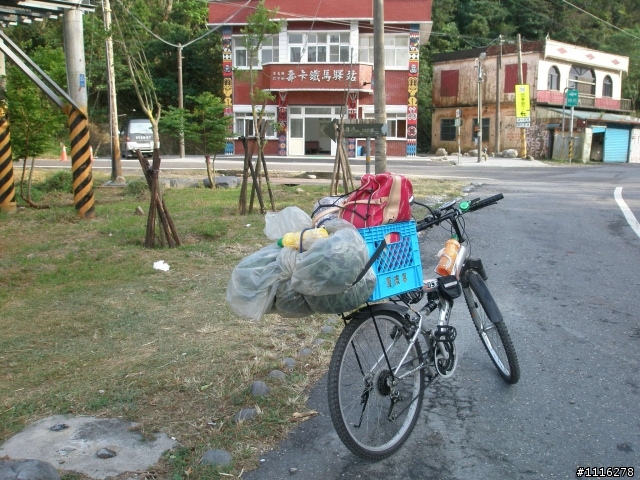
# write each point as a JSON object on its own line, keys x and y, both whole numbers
{"x": 571, "y": 135}
{"x": 380, "y": 107}
{"x": 368, "y": 153}
{"x": 523, "y": 132}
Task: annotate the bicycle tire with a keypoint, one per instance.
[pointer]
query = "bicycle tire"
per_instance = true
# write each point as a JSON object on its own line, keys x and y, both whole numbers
{"x": 356, "y": 378}
{"x": 491, "y": 328}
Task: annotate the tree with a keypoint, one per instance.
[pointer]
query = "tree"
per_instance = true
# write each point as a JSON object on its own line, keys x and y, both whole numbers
{"x": 260, "y": 26}
{"x": 36, "y": 124}
{"x": 205, "y": 126}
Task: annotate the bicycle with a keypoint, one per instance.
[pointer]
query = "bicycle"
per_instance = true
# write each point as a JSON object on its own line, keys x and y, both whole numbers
{"x": 386, "y": 357}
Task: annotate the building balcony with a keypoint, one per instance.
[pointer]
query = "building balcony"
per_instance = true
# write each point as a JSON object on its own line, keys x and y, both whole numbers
{"x": 317, "y": 76}
{"x": 555, "y": 97}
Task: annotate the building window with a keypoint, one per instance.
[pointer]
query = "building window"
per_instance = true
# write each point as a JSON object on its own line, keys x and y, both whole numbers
{"x": 449, "y": 83}
{"x": 295, "y": 47}
{"x": 396, "y": 124}
{"x": 607, "y": 87}
{"x": 396, "y": 51}
{"x": 244, "y": 125}
{"x": 447, "y": 129}
{"x": 554, "y": 79}
{"x": 511, "y": 77}
{"x": 317, "y": 43}
{"x": 270, "y": 51}
{"x": 583, "y": 80}
{"x": 339, "y": 47}
{"x": 365, "y": 52}
{"x": 485, "y": 129}
{"x": 242, "y": 54}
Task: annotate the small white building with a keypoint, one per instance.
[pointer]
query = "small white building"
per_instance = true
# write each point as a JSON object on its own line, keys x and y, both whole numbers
{"x": 602, "y": 127}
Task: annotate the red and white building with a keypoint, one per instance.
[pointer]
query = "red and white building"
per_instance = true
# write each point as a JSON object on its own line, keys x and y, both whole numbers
{"x": 324, "y": 47}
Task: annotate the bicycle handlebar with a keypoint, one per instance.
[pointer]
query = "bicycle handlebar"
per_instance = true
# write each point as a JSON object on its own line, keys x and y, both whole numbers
{"x": 453, "y": 212}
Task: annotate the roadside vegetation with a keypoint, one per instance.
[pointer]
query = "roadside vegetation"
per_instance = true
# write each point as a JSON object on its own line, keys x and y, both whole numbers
{"x": 90, "y": 328}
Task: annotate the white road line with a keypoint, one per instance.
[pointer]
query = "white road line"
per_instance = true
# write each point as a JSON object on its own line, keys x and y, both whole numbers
{"x": 628, "y": 214}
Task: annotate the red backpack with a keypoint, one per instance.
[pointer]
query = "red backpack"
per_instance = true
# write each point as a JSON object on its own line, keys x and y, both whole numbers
{"x": 381, "y": 199}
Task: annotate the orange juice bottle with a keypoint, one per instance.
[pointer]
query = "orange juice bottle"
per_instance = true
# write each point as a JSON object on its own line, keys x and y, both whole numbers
{"x": 448, "y": 257}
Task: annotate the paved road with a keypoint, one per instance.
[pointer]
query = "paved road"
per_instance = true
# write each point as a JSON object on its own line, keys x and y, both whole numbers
{"x": 562, "y": 261}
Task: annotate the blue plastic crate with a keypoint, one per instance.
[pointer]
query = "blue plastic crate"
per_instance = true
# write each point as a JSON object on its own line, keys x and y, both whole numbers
{"x": 398, "y": 268}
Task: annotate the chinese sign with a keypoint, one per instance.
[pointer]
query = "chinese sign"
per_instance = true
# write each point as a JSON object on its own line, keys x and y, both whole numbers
{"x": 301, "y": 75}
{"x": 523, "y": 108}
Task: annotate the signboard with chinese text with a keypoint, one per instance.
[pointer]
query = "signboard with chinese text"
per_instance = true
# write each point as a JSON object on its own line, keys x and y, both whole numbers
{"x": 523, "y": 108}
{"x": 316, "y": 76}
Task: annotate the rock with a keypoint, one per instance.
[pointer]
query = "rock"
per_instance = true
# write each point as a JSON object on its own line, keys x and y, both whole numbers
{"x": 259, "y": 389}
{"x": 312, "y": 177}
{"x": 216, "y": 457}
{"x": 27, "y": 470}
{"x": 304, "y": 352}
{"x": 138, "y": 211}
{"x": 245, "y": 414}
{"x": 473, "y": 153}
{"x": 331, "y": 320}
{"x": 222, "y": 182}
{"x": 289, "y": 362}
{"x": 510, "y": 153}
{"x": 105, "y": 453}
{"x": 119, "y": 181}
{"x": 441, "y": 152}
{"x": 293, "y": 471}
{"x": 59, "y": 427}
{"x": 299, "y": 190}
{"x": 529, "y": 157}
{"x": 278, "y": 375}
{"x": 318, "y": 341}
{"x": 327, "y": 329}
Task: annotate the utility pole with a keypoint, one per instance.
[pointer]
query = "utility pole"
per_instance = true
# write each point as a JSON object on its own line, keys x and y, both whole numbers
{"x": 116, "y": 165}
{"x": 523, "y": 133}
{"x": 74, "y": 54}
{"x": 481, "y": 58}
{"x": 498, "y": 97}
{"x": 180, "y": 103}
{"x": 379, "y": 95}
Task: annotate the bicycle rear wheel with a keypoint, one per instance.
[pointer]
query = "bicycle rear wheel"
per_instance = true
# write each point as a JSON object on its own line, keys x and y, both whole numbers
{"x": 493, "y": 332}
{"x": 372, "y": 413}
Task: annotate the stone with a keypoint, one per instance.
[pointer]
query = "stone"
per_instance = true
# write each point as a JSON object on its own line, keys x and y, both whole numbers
{"x": 327, "y": 329}
{"x": 473, "y": 153}
{"x": 138, "y": 211}
{"x": 59, "y": 427}
{"x": 331, "y": 320}
{"x": 529, "y": 157}
{"x": 27, "y": 470}
{"x": 216, "y": 457}
{"x": 299, "y": 190}
{"x": 441, "y": 152}
{"x": 510, "y": 153}
{"x": 105, "y": 453}
{"x": 278, "y": 375}
{"x": 289, "y": 362}
{"x": 304, "y": 352}
{"x": 293, "y": 471}
{"x": 245, "y": 414}
{"x": 259, "y": 389}
{"x": 224, "y": 181}
{"x": 318, "y": 341}
{"x": 312, "y": 177}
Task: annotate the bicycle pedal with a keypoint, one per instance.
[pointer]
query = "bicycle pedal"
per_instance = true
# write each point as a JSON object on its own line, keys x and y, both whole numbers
{"x": 445, "y": 333}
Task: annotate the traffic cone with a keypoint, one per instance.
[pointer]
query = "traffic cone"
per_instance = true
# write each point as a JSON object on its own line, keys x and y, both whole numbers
{"x": 63, "y": 155}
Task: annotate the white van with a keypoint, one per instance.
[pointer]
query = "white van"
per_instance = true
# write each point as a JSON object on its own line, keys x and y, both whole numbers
{"x": 136, "y": 134}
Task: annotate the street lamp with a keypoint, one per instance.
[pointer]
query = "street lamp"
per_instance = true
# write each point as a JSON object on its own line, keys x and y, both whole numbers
{"x": 481, "y": 58}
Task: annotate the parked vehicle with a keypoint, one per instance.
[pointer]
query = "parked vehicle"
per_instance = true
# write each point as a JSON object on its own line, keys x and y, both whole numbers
{"x": 388, "y": 354}
{"x": 136, "y": 134}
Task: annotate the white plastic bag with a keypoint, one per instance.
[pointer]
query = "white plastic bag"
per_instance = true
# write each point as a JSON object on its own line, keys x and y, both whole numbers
{"x": 290, "y": 219}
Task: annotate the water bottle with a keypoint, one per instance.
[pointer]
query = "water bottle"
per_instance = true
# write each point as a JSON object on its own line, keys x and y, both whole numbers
{"x": 310, "y": 235}
{"x": 448, "y": 257}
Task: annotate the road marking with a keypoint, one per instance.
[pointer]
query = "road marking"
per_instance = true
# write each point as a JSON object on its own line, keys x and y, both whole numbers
{"x": 628, "y": 214}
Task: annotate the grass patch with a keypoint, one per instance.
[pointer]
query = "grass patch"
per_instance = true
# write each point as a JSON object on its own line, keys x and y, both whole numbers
{"x": 89, "y": 327}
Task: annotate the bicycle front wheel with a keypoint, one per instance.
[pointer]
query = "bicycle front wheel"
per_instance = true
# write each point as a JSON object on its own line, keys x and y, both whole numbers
{"x": 375, "y": 399}
{"x": 493, "y": 332}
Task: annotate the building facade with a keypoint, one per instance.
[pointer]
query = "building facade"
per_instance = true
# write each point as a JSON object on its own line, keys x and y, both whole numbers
{"x": 319, "y": 67}
{"x": 601, "y": 126}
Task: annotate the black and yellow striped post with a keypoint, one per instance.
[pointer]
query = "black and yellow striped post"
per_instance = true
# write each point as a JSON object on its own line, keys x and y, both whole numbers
{"x": 81, "y": 163}
{"x": 7, "y": 188}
